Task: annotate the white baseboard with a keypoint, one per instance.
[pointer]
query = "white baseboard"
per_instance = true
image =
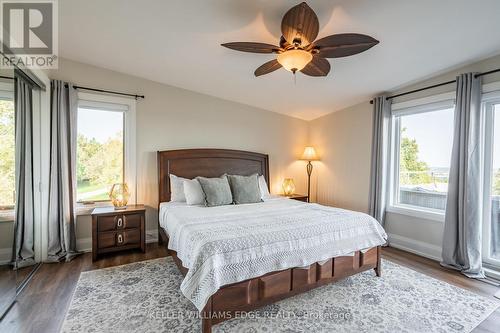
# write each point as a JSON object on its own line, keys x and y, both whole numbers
{"x": 85, "y": 244}
{"x": 420, "y": 248}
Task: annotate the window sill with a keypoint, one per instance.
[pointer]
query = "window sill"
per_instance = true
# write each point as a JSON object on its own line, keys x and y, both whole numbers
{"x": 433, "y": 215}
{"x": 7, "y": 215}
{"x": 86, "y": 209}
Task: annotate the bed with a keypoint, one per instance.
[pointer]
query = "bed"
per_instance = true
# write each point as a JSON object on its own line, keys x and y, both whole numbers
{"x": 238, "y": 258}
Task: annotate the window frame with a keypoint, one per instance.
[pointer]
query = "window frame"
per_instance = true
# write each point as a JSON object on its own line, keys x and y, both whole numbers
{"x": 489, "y": 100}
{"x": 128, "y": 107}
{"x": 416, "y": 106}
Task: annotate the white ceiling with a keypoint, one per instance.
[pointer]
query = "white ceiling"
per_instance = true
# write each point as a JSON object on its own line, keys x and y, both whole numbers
{"x": 177, "y": 42}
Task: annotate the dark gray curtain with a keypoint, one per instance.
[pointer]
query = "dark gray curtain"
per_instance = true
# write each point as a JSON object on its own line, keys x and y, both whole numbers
{"x": 462, "y": 230}
{"x": 25, "y": 209}
{"x": 380, "y": 157}
{"x": 62, "y": 183}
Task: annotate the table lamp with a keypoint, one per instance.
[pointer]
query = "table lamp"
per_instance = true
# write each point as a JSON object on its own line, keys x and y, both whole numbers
{"x": 119, "y": 195}
{"x": 288, "y": 186}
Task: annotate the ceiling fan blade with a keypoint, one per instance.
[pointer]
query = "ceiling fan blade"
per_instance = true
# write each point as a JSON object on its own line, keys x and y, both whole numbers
{"x": 252, "y": 47}
{"x": 343, "y": 45}
{"x": 300, "y": 23}
{"x": 317, "y": 67}
{"x": 267, "y": 68}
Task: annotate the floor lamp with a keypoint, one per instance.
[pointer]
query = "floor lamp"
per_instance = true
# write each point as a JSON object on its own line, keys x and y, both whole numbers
{"x": 309, "y": 155}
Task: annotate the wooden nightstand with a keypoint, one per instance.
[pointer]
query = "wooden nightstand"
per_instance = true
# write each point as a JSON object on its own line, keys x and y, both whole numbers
{"x": 299, "y": 197}
{"x": 116, "y": 230}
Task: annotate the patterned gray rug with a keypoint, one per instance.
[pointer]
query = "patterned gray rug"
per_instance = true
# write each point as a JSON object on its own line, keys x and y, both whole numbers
{"x": 145, "y": 297}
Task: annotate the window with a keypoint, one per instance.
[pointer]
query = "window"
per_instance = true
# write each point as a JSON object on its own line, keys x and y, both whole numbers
{"x": 105, "y": 146}
{"x": 99, "y": 153}
{"x": 422, "y": 144}
{"x": 7, "y": 151}
{"x": 491, "y": 218}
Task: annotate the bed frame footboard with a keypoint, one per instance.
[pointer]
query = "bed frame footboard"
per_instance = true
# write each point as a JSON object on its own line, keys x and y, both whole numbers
{"x": 234, "y": 299}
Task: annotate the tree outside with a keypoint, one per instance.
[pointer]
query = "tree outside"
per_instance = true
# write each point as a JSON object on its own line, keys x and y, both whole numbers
{"x": 99, "y": 166}
{"x": 412, "y": 171}
{"x": 7, "y": 153}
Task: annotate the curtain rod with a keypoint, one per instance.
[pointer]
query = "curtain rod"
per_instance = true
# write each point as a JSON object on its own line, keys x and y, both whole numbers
{"x": 437, "y": 85}
{"x": 109, "y": 92}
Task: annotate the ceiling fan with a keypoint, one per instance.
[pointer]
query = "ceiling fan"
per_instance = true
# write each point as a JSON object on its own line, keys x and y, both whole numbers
{"x": 297, "y": 50}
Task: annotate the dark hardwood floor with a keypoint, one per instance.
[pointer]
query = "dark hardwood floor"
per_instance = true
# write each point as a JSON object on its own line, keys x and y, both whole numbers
{"x": 41, "y": 307}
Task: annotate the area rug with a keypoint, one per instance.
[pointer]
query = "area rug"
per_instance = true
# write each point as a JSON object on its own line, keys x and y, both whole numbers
{"x": 145, "y": 297}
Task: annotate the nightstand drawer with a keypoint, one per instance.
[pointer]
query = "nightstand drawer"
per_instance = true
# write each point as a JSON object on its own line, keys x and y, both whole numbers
{"x": 132, "y": 221}
{"x": 110, "y": 223}
{"x": 105, "y": 240}
{"x": 128, "y": 237}
{"x": 107, "y": 223}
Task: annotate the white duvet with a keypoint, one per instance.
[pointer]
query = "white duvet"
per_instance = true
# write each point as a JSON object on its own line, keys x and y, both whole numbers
{"x": 229, "y": 244}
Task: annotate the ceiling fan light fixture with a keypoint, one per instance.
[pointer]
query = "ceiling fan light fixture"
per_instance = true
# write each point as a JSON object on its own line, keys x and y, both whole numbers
{"x": 294, "y": 60}
{"x": 298, "y": 48}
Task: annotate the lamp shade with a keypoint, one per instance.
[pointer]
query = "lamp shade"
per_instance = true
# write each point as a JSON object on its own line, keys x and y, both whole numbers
{"x": 309, "y": 154}
{"x": 294, "y": 60}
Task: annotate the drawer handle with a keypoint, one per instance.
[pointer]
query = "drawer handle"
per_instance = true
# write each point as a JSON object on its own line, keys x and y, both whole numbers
{"x": 120, "y": 238}
{"x": 120, "y": 222}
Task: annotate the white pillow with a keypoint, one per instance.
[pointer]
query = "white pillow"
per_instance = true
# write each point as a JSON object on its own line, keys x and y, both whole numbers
{"x": 177, "y": 189}
{"x": 193, "y": 192}
{"x": 264, "y": 190}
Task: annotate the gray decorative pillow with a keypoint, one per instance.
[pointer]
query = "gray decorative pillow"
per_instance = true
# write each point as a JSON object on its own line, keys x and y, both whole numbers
{"x": 217, "y": 191}
{"x": 177, "y": 189}
{"x": 245, "y": 189}
{"x": 193, "y": 192}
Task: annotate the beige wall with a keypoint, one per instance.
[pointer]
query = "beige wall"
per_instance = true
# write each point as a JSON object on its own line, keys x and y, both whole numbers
{"x": 344, "y": 140}
{"x": 343, "y": 143}
{"x": 172, "y": 118}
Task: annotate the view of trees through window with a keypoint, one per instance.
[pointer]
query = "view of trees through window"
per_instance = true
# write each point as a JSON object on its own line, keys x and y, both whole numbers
{"x": 7, "y": 154}
{"x": 424, "y": 158}
{"x": 99, "y": 153}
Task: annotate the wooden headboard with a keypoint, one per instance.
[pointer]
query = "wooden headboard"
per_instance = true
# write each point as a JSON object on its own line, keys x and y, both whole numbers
{"x": 190, "y": 163}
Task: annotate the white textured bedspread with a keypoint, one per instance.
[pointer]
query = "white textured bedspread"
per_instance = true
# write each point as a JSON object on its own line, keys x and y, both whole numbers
{"x": 229, "y": 244}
